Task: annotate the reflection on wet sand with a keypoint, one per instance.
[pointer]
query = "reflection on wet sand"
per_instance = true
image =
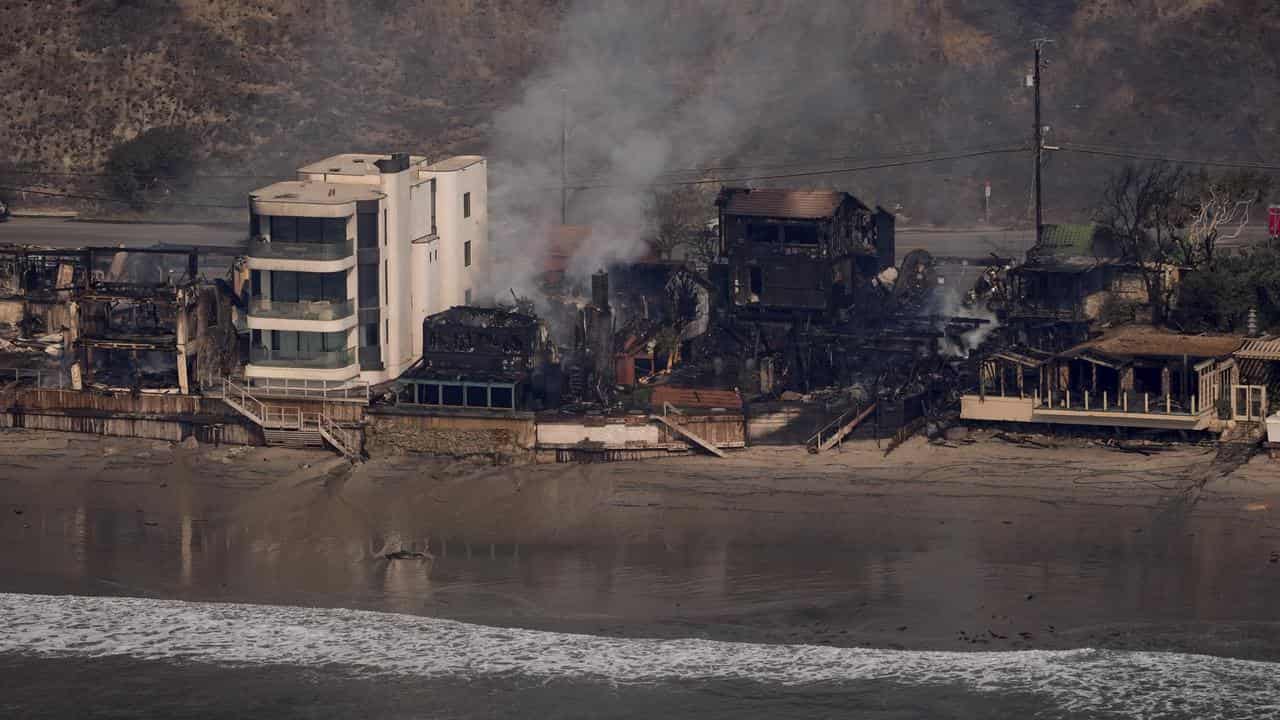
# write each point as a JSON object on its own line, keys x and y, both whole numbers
{"x": 772, "y": 547}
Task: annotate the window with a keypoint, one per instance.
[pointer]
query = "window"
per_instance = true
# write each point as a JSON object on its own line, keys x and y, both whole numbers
{"x": 429, "y": 394}
{"x": 757, "y": 281}
{"x": 501, "y": 397}
{"x": 255, "y": 282}
{"x": 405, "y": 392}
{"x": 451, "y": 395}
{"x": 762, "y": 233}
{"x": 477, "y": 396}
{"x": 310, "y": 230}
{"x": 284, "y": 229}
{"x": 466, "y": 254}
{"x": 307, "y": 287}
{"x": 371, "y": 334}
{"x": 386, "y": 330}
{"x": 800, "y": 235}
{"x": 255, "y": 225}
{"x": 367, "y": 230}
{"x": 466, "y": 297}
{"x": 368, "y": 277}
{"x": 466, "y": 205}
{"x": 386, "y": 291}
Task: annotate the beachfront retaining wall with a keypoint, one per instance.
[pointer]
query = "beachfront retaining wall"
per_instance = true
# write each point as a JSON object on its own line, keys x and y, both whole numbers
{"x": 397, "y": 430}
{"x": 156, "y": 417}
{"x": 785, "y": 423}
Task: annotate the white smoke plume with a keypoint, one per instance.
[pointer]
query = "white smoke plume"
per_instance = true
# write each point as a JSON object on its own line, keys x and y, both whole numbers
{"x": 652, "y": 86}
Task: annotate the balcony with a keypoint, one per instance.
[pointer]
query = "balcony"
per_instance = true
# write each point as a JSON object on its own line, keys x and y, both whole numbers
{"x": 309, "y": 360}
{"x": 319, "y": 310}
{"x": 320, "y": 251}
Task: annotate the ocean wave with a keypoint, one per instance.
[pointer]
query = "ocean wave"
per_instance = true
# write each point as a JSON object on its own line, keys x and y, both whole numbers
{"x": 1088, "y": 681}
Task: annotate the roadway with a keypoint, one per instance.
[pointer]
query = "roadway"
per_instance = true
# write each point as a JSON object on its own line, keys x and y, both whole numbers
{"x": 974, "y": 244}
{"x": 68, "y": 233}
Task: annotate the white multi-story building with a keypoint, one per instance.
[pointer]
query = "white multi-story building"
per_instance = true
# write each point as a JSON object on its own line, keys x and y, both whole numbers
{"x": 346, "y": 261}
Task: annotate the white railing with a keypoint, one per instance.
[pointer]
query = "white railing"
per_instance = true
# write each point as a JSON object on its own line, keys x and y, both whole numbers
{"x": 1127, "y": 402}
{"x": 345, "y": 441}
{"x": 240, "y": 398}
{"x": 329, "y": 390}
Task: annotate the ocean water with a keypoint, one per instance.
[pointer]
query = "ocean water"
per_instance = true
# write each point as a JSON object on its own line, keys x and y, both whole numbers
{"x": 74, "y": 656}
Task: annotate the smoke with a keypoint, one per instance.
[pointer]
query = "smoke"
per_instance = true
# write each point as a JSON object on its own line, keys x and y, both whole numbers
{"x": 647, "y": 87}
{"x": 948, "y": 302}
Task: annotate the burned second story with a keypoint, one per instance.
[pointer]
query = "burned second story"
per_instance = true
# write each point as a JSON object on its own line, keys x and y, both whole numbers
{"x": 800, "y": 250}
{"x": 476, "y": 358}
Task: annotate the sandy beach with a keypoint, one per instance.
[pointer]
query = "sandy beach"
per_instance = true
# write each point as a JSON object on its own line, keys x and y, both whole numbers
{"x": 981, "y": 545}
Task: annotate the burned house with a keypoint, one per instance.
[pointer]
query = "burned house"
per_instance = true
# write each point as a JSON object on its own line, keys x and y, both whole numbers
{"x": 799, "y": 251}
{"x": 481, "y": 358}
{"x": 35, "y": 287}
{"x": 146, "y": 320}
{"x": 1073, "y": 278}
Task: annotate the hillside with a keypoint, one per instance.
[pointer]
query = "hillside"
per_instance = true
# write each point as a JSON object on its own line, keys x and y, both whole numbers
{"x": 264, "y": 85}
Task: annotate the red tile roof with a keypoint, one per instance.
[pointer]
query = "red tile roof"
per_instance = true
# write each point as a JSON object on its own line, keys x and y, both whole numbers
{"x": 770, "y": 202}
{"x": 704, "y": 398}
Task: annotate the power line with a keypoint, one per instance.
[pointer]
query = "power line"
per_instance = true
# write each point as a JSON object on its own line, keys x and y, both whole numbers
{"x": 73, "y": 173}
{"x": 901, "y": 162}
{"x": 98, "y": 198}
{"x": 1105, "y": 151}
{"x": 799, "y": 164}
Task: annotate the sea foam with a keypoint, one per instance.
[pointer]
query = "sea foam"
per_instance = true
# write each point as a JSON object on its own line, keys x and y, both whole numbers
{"x": 1141, "y": 684}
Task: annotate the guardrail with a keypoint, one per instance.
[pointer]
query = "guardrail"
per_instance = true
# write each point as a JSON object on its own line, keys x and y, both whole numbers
{"x": 302, "y": 310}
{"x": 346, "y": 390}
{"x": 316, "y": 360}
{"x": 1126, "y": 402}
{"x": 283, "y": 250}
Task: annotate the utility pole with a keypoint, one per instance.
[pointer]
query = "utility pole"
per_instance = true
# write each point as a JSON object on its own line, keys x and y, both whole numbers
{"x": 1038, "y": 137}
{"x": 564, "y": 161}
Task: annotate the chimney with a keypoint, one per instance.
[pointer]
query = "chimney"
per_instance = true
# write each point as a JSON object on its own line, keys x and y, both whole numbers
{"x": 600, "y": 290}
{"x": 398, "y": 162}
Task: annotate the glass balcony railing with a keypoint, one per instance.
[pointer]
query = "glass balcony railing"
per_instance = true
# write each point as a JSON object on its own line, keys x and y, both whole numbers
{"x": 280, "y": 250}
{"x": 313, "y": 360}
{"x": 304, "y": 310}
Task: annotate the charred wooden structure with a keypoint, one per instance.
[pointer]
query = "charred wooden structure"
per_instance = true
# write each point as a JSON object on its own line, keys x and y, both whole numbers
{"x": 146, "y": 320}
{"x": 480, "y": 358}
{"x": 791, "y": 252}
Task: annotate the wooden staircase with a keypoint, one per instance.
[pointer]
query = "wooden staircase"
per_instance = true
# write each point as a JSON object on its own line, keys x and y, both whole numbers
{"x": 286, "y": 426}
{"x": 689, "y": 434}
{"x": 837, "y": 430}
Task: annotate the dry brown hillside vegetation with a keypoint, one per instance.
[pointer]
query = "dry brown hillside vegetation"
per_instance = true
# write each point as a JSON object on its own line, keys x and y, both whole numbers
{"x": 263, "y": 85}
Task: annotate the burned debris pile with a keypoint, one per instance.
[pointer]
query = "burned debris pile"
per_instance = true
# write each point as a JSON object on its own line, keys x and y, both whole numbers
{"x": 803, "y": 301}
{"x": 141, "y": 320}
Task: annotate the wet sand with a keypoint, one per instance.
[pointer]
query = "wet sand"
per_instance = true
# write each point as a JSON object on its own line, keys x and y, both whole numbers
{"x": 985, "y": 546}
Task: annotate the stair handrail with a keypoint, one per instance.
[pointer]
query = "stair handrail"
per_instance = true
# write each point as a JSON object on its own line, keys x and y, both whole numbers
{"x": 347, "y": 442}
{"x": 248, "y": 404}
{"x": 815, "y": 440}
